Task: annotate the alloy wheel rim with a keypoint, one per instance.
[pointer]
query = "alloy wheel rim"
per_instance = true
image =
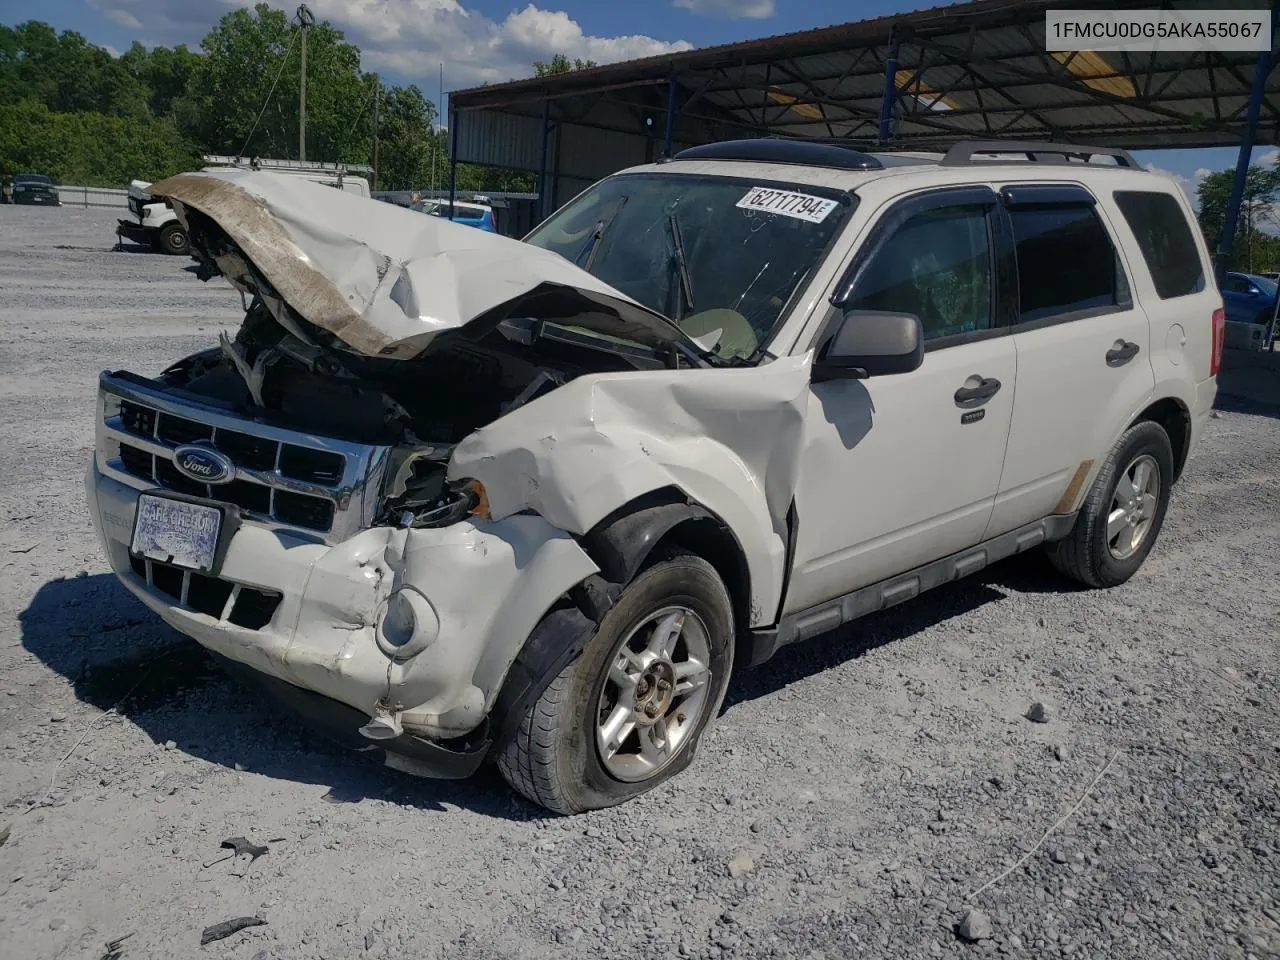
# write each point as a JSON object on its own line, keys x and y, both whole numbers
{"x": 1133, "y": 507}
{"x": 654, "y": 693}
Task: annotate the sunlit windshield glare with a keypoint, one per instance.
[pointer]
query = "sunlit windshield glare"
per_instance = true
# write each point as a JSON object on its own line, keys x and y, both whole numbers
{"x": 683, "y": 246}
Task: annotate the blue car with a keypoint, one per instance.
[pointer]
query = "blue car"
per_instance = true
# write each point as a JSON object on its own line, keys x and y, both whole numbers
{"x": 1250, "y": 302}
{"x": 470, "y": 214}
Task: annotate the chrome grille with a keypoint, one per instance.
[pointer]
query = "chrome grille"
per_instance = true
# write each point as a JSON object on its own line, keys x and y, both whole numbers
{"x": 282, "y": 477}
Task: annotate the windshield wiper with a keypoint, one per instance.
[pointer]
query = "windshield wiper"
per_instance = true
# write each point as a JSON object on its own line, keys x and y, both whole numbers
{"x": 682, "y": 266}
{"x": 597, "y": 234}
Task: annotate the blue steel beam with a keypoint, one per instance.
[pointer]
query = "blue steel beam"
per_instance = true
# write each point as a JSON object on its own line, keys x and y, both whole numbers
{"x": 671, "y": 118}
{"x": 1261, "y": 71}
{"x": 542, "y": 161}
{"x": 890, "y": 90}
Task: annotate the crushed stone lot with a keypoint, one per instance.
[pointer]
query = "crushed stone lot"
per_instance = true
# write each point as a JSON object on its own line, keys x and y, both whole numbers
{"x": 855, "y": 792}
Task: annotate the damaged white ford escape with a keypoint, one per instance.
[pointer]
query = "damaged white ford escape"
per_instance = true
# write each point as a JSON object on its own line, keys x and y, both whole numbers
{"x": 458, "y": 497}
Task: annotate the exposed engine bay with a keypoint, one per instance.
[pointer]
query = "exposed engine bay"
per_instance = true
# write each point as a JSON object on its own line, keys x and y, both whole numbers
{"x": 301, "y": 377}
{"x": 396, "y": 330}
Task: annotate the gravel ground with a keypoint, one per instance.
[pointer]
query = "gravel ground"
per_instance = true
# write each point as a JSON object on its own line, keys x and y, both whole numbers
{"x": 856, "y": 791}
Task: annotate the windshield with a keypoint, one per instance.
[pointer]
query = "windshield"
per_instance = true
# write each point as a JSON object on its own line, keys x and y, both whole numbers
{"x": 723, "y": 257}
{"x": 32, "y": 178}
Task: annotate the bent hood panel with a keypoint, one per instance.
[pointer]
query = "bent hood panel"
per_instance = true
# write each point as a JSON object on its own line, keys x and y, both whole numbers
{"x": 386, "y": 280}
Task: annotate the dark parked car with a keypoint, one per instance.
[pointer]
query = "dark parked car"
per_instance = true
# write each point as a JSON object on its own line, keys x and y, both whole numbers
{"x": 1250, "y": 303}
{"x": 35, "y": 188}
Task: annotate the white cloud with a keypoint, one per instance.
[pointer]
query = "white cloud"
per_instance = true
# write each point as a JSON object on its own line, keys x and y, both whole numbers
{"x": 162, "y": 21}
{"x": 1201, "y": 173}
{"x": 1268, "y": 158}
{"x": 731, "y": 9}
{"x": 111, "y": 50}
{"x": 410, "y": 38}
{"x": 1187, "y": 186}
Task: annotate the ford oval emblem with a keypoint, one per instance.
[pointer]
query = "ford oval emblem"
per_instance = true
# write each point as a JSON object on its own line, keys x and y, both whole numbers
{"x": 203, "y": 465}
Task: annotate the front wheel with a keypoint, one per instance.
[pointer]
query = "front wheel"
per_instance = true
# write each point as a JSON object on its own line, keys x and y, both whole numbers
{"x": 627, "y": 714}
{"x": 173, "y": 240}
{"x": 1121, "y": 517}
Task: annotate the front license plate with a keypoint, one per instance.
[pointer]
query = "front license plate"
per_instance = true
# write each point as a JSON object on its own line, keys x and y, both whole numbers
{"x": 175, "y": 531}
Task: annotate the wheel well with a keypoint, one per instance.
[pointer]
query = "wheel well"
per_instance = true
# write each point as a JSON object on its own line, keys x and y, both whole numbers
{"x": 1176, "y": 420}
{"x": 713, "y": 542}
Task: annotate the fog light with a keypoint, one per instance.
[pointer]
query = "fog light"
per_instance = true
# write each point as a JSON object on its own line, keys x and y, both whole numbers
{"x": 408, "y": 625}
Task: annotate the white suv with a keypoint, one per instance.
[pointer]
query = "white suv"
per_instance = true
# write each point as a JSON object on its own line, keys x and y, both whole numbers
{"x": 459, "y": 497}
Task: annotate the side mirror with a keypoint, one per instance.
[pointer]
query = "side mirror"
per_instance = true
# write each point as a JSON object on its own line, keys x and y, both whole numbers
{"x": 871, "y": 343}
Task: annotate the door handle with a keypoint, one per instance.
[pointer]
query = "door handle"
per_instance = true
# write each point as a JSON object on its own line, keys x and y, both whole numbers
{"x": 976, "y": 391}
{"x": 1121, "y": 352}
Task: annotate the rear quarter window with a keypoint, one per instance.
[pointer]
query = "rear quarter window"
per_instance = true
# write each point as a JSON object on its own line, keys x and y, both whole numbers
{"x": 1165, "y": 239}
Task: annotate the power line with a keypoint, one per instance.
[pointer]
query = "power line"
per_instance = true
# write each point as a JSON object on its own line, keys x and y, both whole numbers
{"x": 265, "y": 102}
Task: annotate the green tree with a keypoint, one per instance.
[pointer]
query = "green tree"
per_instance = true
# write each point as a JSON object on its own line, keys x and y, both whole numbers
{"x": 89, "y": 148}
{"x": 163, "y": 72}
{"x": 243, "y": 56}
{"x": 1261, "y": 190}
{"x": 559, "y": 64}
{"x": 65, "y": 72}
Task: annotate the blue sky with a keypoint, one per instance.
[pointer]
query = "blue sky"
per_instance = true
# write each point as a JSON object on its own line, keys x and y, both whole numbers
{"x": 495, "y": 40}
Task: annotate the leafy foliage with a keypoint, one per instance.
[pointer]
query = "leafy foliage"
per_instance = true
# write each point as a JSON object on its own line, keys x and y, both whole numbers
{"x": 74, "y": 111}
{"x": 72, "y": 147}
{"x": 1251, "y": 249}
{"x": 559, "y": 64}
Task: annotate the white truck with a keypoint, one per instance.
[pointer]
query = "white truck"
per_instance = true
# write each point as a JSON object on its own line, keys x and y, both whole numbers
{"x": 158, "y": 227}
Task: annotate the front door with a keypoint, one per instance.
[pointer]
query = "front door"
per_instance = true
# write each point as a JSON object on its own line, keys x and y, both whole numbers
{"x": 900, "y": 470}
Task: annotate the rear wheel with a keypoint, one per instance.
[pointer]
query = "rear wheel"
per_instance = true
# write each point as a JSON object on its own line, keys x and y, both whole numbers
{"x": 173, "y": 239}
{"x": 628, "y": 713}
{"x": 1121, "y": 517}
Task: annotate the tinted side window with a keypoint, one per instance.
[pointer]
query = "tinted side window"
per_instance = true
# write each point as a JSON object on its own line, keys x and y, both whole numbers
{"x": 1066, "y": 261}
{"x": 1165, "y": 239}
{"x": 937, "y": 265}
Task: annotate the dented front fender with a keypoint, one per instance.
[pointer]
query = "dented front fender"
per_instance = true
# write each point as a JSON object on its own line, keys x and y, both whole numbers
{"x": 728, "y": 438}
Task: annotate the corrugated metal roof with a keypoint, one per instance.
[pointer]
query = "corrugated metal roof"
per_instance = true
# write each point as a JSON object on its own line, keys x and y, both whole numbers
{"x": 976, "y": 69}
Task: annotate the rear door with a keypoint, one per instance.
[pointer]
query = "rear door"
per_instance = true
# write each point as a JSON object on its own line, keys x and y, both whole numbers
{"x": 1083, "y": 346}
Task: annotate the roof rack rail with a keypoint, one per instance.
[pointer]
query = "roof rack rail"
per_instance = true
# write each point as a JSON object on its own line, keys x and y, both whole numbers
{"x": 769, "y": 150}
{"x": 296, "y": 166}
{"x": 1036, "y": 151}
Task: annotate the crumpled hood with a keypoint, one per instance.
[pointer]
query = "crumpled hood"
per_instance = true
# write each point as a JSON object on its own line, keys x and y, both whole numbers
{"x": 386, "y": 280}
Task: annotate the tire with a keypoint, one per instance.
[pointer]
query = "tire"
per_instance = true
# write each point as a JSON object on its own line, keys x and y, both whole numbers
{"x": 1088, "y": 554}
{"x": 173, "y": 240}
{"x": 557, "y": 758}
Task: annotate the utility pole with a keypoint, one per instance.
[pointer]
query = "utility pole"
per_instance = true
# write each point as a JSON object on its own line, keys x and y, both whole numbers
{"x": 305, "y": 20}
{"x": 435, "y": 142}
{"x": 376, "y": 97}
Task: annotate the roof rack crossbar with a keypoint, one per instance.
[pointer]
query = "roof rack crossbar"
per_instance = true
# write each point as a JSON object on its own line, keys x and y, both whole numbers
{"x": 1034, "y": 150}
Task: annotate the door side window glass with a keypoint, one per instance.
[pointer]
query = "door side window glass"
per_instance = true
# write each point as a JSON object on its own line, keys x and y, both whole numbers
{"x": 1165, "y": 239}
{"x": 1066, "y": 262}
{"x": 937, "y": 265}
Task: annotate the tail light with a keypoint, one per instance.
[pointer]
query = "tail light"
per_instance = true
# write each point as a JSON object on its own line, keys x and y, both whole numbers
{"x": 1219, "y": 335}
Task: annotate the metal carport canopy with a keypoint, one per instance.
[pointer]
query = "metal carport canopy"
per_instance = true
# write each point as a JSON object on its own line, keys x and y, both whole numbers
{"x": 965, "y": 71}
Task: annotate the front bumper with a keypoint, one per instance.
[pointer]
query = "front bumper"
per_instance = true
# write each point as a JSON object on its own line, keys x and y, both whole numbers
{"x": 136, "y": 232}
{"x": 38, "y": 199}
{"x": 478, "y": 589}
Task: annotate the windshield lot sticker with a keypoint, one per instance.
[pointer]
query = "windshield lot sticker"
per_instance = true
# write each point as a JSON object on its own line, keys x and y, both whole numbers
{"x": 802, "y": 206}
